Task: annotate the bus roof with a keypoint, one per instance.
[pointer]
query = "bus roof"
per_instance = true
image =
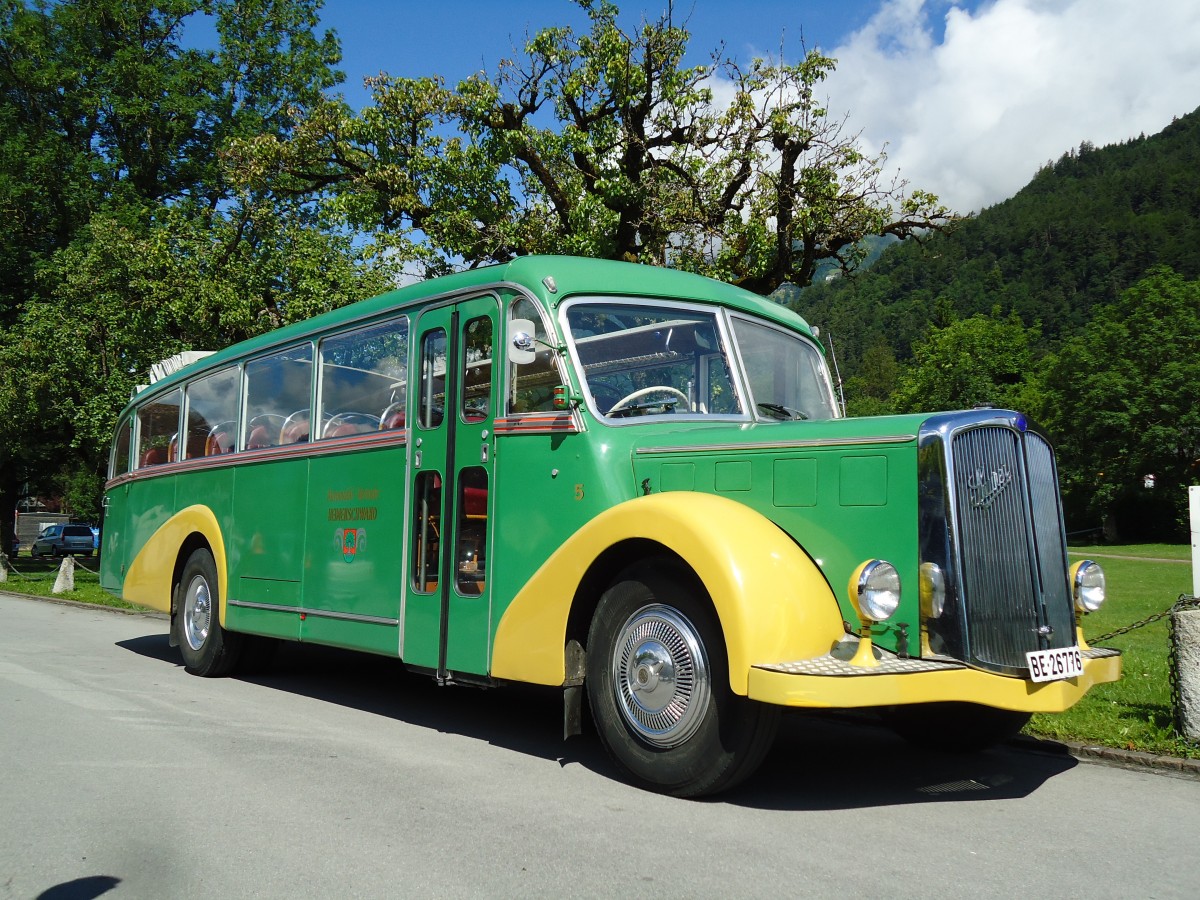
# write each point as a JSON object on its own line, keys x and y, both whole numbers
{"x": 552, "y": 279}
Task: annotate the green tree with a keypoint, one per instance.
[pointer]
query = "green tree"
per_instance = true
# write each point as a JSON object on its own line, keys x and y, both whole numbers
{"x": 126, "y": 241}
{"x": 1122, "y": 405}
{"x": 603, "y": 144}
{"x": 869, "y": 391}
{"x": 980, "y": 361}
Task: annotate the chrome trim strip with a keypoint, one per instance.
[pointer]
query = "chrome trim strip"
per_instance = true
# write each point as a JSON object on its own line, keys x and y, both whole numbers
{"x": 786, "y": 445}
{"x": 317, "y": 613}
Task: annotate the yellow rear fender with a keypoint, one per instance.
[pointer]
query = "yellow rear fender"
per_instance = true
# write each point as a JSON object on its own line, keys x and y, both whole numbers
{"x": 772, "y": 600}
{"x": 150, "y": 576}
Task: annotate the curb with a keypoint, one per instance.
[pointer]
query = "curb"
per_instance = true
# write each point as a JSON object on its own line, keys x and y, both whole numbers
{"x": 1113, "y": 756}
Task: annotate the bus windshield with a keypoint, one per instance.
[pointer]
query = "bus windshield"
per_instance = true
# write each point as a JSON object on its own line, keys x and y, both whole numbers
{"x": 647, "y": 359}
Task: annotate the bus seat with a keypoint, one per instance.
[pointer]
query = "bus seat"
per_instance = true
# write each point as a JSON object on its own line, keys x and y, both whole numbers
{"x": 345, "y": 424}
{"x": 259, "y": 438}
{"x": 264, "y": 431}
{"x": 173, "y": 448}
{"x": 475, "y": 502}
{"x": 393, "y": 417}
{"x": 221, "y": 439}
{"x": 154, "y": 456}
{"x": 295, "y": 428}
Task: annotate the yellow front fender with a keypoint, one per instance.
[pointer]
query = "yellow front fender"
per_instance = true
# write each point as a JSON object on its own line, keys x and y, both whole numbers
{"x": 772, "y": 600}
{"x": 148, "y": 582}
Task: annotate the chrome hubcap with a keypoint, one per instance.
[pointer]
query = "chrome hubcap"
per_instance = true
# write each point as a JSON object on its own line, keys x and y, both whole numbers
{"x": 661, "y": 676}
{"x": 197, "y": 612}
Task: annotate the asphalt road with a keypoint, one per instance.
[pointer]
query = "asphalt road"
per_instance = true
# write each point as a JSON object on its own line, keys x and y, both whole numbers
{"x": 337, "y": 775}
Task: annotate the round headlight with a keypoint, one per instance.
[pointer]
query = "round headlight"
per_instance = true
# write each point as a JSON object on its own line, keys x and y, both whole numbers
{"x": 1088, "y": 579}
{"x": 877, "y": 594}
{"x": 933, "y": 590}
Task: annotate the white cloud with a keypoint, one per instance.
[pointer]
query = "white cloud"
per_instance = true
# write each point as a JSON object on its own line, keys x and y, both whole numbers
{"x": 973, "y": 114}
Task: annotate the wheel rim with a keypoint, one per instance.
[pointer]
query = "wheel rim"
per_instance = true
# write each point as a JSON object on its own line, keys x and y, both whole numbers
{"x": 660, "y": 673}
{"x": 197, "y": 612}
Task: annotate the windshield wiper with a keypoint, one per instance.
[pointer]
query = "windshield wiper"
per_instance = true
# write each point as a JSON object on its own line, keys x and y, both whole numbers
{"x": 782, "y": 412}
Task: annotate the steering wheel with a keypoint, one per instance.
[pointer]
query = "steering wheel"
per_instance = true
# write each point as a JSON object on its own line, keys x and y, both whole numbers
{"x": 642, "y": 392}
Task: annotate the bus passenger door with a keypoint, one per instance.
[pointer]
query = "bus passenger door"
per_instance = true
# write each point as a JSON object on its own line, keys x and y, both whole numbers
{"x": 452, "y": 405}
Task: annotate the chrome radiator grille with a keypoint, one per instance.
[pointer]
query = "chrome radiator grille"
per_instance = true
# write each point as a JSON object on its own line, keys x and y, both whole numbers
{"x": 991, "y": 518}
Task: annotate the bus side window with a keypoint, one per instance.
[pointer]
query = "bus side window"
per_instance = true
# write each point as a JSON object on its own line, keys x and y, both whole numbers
{"x": 531, "y": 388}
{"x": 433, "y": 379}
{"x": 472, "y": 531}
{"x": 120, "y": 459}
{"x": 158, "y": 423}
{"x": 276, "y": 385}
{"x": 364, "y": 379}
{"x": 212, "y": 409}
{"x": 426, "y": 532}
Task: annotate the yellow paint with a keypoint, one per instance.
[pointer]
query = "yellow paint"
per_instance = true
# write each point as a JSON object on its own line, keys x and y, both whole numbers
{"x": 864, "y": 656}
{"x": 971, "y": 685}
{"x": 148, "y": 581}
{"x": 772, "y": 600}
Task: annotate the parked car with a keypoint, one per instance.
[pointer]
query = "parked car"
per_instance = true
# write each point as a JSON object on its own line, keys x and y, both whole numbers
{"x": 63, "y": 540}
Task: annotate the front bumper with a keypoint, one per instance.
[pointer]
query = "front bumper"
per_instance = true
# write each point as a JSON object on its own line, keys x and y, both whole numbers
{"x": 831, "y": 683}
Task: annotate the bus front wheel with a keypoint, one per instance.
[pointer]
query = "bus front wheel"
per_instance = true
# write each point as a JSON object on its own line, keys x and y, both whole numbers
{"x": 658, "y": 687}
{"x": 208, "y": 649}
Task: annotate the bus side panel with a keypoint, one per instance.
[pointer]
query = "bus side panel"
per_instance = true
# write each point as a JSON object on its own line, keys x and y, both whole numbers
{"x": 354, "y": 550}
{"x": 115, "y": 539}
{"x": 149, "y": 503}
{"x": 548, "y": 487}
{"x": 266, "y": 547}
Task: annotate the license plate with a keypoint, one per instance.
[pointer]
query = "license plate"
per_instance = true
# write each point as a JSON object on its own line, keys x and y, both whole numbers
{"x": 1054, "y": 665}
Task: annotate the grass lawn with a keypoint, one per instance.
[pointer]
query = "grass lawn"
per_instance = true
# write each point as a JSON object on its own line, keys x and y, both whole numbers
{"x": 36, "y": 577}
{"x": 1135, "y": 713}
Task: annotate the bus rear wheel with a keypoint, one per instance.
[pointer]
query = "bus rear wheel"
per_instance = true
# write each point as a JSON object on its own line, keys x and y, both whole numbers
{"x": 208, "y": 649}
{"x": 658, "y": 687}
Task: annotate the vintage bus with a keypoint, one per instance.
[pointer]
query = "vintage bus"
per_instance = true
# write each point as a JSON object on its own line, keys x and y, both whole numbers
{"x": 628, "y": 482}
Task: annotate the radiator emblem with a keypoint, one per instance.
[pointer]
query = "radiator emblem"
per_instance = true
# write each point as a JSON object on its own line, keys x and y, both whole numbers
{"x": 984, "y": 487}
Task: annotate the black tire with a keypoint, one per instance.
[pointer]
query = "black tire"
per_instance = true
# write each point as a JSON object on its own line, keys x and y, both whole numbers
{"x": 687, "y": 734}
{"x": 208, "y": 649}
{"x": 954, "y": 727}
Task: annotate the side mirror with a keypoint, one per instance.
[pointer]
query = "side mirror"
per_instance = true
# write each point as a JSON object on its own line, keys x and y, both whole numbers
{"x": 522, "y": 348}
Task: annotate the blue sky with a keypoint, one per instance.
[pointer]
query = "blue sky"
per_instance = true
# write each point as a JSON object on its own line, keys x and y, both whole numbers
{"x": 454, "y": 38}
{"x": 968, "y": 98}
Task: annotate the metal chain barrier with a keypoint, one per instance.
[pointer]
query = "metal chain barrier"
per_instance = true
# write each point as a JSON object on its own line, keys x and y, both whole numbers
{"x": 46, "y": 576}
{"x": 1185, "y": 601}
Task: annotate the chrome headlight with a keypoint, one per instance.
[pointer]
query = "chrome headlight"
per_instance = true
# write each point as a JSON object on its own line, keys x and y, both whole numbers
{"x": 1087, "y": 580}
{"x": 876, "y": 590}
{"x": 933, "y": 590}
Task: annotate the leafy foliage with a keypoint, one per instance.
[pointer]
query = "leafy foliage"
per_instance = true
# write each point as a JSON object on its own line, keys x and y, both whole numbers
{"x": 980, "y": 361}
{"x": 124, "y": 240}
{"x": 1125, "y": 407}
{"x": 601, "y": 144}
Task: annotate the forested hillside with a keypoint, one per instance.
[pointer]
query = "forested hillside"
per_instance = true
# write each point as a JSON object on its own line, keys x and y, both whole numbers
{"x": 1083, "y": 230}
{"x": 1077, "y": 300}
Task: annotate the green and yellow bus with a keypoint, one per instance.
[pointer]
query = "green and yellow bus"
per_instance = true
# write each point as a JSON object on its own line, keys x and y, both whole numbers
{"x": 628, "y": 482}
